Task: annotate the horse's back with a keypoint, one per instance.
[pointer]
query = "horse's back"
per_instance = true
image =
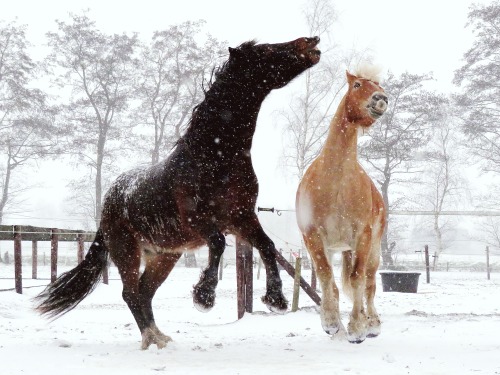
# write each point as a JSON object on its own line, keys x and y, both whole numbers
{"x": 144, "y": 204}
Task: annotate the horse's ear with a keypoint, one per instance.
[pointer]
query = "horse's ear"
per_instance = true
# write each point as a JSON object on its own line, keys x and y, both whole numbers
{"x": 350, "y": 77}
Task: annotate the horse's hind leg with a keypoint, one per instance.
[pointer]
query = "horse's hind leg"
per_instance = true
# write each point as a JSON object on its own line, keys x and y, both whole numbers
{"x": 157, "y": 269}
{"x": 330, "y": 315}
{"x": 204, "y": 291}
{"x": 127, "y": 258}
{"x": 252, "y": 232}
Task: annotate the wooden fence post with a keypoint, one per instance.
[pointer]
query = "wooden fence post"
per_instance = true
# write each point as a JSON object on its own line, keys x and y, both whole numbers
{"x": 221, "y": 266}
{"x": 244, "y": 277}
{"x": 80, "y": 250}
{"x": 488, "y": 262}
{"x": 54, "y": 247}
{"x": 34, "y": 260}
{"x": 313, "y": 277}
{"x": 303, "y": 284}
{"x": 240, "y": 279}
{"x": 248, "y": 258}
{"x": 105, "y": 275}
{"x": 427, "y": 265}
{"x": 18, "y": 266}
{"x": 296, "y": 284}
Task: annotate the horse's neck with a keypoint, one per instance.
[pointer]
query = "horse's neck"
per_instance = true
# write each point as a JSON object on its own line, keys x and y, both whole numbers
{"x": 340, "y": 148}
{"x": 230, "y": 115}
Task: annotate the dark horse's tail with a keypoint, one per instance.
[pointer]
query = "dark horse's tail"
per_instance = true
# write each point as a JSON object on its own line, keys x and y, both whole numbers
{"x": 72, "y": 287}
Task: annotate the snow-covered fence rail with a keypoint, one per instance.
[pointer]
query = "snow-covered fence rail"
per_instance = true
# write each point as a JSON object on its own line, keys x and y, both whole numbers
{"x": 19, "y": 233}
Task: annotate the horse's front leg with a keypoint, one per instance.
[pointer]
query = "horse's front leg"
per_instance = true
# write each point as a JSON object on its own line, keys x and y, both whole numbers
{"x": 357, "y": 328}
{"x": 252, "y": 232}
{"x": 330, "y": 314}
{"x": 204, "y": 290}
{"x": 372, "y": 316}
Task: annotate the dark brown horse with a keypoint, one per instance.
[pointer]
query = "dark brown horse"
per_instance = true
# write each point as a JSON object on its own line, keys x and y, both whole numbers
{"x": 205, "y": 189}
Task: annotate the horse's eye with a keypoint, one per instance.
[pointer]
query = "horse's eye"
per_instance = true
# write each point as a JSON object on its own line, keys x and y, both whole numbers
{"x": 357, "y": 85}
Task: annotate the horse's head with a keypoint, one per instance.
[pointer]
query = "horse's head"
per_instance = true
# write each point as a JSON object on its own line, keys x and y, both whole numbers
{"x": 272, "y": 66}
{"x": 365, "y": 100}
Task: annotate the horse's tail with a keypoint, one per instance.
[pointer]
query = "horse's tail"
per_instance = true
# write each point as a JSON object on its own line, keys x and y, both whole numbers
{"x": 69, "y": 289}
{"x": 347, "y": 268}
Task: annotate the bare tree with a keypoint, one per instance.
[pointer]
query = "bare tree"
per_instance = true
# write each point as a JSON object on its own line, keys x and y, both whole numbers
{"x": 490, "y": 229}
{"x": 172, "y": 68}
{"x": 441, "y": 185}
{"x": 26, "y": 121}
{"x": 395, "y": 139}
{"x": 489, "y": 226}
{"x": 97, "y": 69}
{"x": 479, "y": 79}
{"x": 306, "y": 118}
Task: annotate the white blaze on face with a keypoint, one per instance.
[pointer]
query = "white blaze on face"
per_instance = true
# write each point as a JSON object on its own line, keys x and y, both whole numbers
{"x": 304, "y": 211}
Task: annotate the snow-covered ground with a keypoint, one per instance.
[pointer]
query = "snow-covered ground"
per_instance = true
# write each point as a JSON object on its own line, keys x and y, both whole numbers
{"x": 451, "y": 326}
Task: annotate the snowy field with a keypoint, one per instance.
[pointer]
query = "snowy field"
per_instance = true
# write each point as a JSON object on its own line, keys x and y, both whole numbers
{"x": 452, "y": 326}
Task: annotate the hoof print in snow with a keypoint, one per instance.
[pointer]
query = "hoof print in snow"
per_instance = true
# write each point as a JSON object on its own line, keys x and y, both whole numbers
{"x": 64, "y": 344}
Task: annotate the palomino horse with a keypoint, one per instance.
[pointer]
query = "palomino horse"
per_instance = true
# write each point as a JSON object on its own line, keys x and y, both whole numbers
{"x": 205, "y": 189}
{"x": 339, "y": 209}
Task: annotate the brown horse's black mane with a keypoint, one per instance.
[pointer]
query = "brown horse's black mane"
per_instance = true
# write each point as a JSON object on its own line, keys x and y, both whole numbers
{"x": 223, "y": 75}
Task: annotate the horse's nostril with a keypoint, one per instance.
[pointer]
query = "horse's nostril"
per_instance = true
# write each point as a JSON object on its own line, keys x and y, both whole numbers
{"x": 381, "y": 105}
{"x": 378, "y": 97}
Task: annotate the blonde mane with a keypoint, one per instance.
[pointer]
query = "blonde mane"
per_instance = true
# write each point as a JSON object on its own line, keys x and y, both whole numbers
{"x": 369, "y": 71}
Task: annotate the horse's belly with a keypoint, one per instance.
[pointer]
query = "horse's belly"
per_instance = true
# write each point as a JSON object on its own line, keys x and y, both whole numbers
{"x": 337, "y": 235}
{"x": 154, "y": 248}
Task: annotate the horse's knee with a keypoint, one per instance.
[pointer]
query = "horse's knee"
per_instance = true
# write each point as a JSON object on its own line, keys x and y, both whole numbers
{"x": 217, "y": 243}
{"x": 129, "y": 296}
{"x": 266, "y": 252}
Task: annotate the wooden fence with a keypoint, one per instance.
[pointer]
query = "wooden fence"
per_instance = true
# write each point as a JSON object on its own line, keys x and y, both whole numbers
{"x": 244, "y": 277}
{"x": 19, "y": 233}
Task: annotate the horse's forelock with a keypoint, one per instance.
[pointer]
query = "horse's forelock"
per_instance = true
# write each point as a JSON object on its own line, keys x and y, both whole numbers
{"x": 247, "y": 44}
{"x": 369, "y": 71}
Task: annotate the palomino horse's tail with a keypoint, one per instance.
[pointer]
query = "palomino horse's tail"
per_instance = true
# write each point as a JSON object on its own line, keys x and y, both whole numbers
{"x": 72, "y": 287}
{"x": 347, "y": 268}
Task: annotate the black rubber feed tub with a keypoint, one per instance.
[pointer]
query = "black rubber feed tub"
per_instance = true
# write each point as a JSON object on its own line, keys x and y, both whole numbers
{"x": 403, "y": 282}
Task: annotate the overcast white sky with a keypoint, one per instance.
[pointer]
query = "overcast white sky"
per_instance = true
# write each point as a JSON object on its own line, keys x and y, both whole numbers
{"x": 420, "y": 36}
{"x": 417, "y": 36}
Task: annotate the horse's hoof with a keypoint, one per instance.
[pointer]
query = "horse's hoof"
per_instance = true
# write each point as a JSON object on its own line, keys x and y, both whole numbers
{"x": 334, "y": 329}
{"x": 154, "y": 336}
{"x": 373, "y": 327}
{"x": 277, "y": 305}
{"x": 356, "y": 338}
{"x": 331, "y": 330}
{"x": 203, "y": 300}
{"x": 356, "y": 341}
{"x": 373, "y": 331}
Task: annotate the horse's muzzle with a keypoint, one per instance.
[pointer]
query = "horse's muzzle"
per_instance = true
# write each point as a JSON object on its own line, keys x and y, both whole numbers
{"x": 378, "y": 105}
{"x": 307, "y": 49}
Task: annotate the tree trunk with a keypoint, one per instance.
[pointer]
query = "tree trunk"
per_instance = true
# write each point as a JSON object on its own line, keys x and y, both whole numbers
{"x": 155, "y": 154}
{"x": 387, "y": 260}
{"x": 439, "y": 241}
{"x": 98, "y": 181}
{"x": 5, "y": 190}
